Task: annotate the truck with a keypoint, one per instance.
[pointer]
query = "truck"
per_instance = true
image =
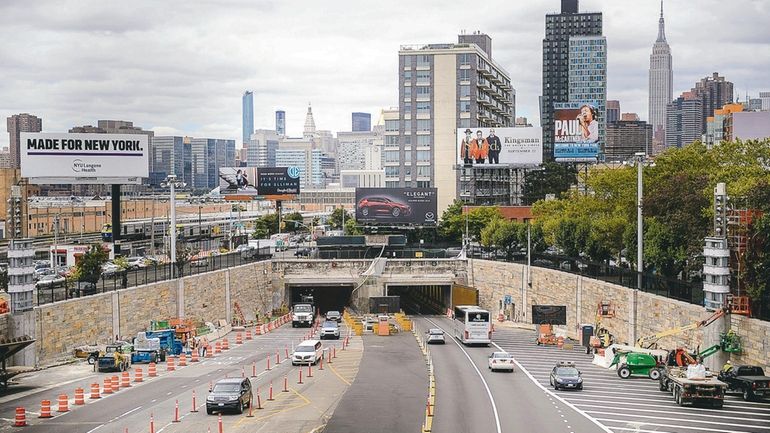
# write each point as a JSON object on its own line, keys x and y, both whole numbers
{"x": 749, "y": 380}
{"x": 115, "y": 357}
{"x": 302, "y": 315}
{"x": 708, "y": 390}
{"x": 169, "y": 343}
{"x": 147, "y": 350}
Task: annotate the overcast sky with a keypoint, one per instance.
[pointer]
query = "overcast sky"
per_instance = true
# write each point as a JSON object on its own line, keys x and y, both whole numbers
{"x": 181, "y": 67}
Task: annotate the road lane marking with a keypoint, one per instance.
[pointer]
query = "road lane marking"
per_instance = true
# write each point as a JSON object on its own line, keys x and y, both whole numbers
{"x": 558, "y": 397}
{"x": 483, "y": 381}
{"x": 652, "y": 424}
{"x": 114, "y": 419}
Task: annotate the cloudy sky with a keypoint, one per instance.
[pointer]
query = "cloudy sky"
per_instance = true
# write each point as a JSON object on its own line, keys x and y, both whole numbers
{"x": 180, "y": 67}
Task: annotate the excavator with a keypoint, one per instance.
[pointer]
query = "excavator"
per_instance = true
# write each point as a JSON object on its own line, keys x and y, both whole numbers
{"x": 650, "y": 341}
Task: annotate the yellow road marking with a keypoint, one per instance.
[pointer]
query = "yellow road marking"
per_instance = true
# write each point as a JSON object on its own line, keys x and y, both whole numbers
{"x": 286, "y": 409}
{"x": 334, "y": 370}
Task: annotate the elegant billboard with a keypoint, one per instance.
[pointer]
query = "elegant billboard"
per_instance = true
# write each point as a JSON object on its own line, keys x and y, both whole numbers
{"x": 415, "y": 206}
{"x": 576, "y": 132}
{"x": 63, "y": 158}
{"x": 278, "y": 180}
{"x": 499, "y": 146}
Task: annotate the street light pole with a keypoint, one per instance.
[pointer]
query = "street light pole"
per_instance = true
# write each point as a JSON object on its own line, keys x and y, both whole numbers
{"x": 172, "y": 183}
{"x": 639, "y": 221}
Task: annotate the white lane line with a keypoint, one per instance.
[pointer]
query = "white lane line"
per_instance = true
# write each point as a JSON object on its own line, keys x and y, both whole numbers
{"x": 690, "y": 421}
{"x": 578, "y": 402}
{"x": 115, "y": 419}
{"x": 728, "y": 415}
{"x": 637, "y": 430}
{"x": 697, "y": 429}
{"x": 558, "y": 397}
{"x": 486, "y": 386}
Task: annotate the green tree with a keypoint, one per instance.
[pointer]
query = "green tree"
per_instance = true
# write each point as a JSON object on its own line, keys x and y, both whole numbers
{"x": 335, "y": 219}
{"x": 290, "y": 222}
{"x": 553, "y": 178}
{"x": 352, "y": 228}
{"x": 89, "y": 267}
{"x": 452, "y": 224}
{"x": 265, "y": 226}
{"x": 755, "y": 263}
{"x": 184, "y": 253}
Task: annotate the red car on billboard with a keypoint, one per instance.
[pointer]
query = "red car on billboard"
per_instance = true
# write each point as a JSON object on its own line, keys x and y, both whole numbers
{"x": 374, "y": 205}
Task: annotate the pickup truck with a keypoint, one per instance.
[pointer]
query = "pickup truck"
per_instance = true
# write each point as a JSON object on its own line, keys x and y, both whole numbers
{"x": 749, "y": 380}
{"x": 302, "y": 315}
{"x": 708, "y": 390}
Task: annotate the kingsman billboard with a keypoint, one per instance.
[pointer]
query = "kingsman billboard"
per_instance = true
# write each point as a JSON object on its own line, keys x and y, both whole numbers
{"x": 62, "y": 158}
{"x": 500, "y": 146}
{"x": 415, "y": 206}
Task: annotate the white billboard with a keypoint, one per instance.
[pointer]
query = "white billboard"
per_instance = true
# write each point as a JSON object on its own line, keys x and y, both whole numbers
{"x": 62, "y": 158}
{"x": 499, "y": 146}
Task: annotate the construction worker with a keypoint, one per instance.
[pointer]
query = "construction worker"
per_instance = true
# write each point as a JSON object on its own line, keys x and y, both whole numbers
{"x": 727, "y": 367}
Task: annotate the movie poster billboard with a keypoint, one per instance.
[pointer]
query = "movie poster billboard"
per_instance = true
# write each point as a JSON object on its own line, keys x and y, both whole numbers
{"x": 499, "y": 146}
{"x": 415, "y": 206}
{"x": 577, "y": 135}
{"x": 63, "y": 158}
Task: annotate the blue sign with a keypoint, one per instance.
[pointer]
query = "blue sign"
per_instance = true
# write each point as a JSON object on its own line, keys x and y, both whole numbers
{"x": 508, "y": 300}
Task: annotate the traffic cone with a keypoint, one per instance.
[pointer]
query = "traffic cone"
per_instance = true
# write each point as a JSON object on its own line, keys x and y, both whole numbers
{"x": 21, "y": 417}
{"x": 152, "y": 370}
{"x": 170, "y": 364}
{"x": 138, "y": 374}
{"x": 63, "y": 403}
{"x": 80, "y": 398}
{"x": 115, "y": 384}
{"x": 209, "y": 353}
{"x": 95, "y": 391}
{"x": 217, "y": 348}
{"x": 183, "y": 360}
{"x": 194, "y": 406}
{"x": 176, "y": 411}
{"x": 248, "y": 334}
{"x": 225, "y": 344}
{"x": 45, "y": 409}
{"x": 238, "y": 338}
{"x": 194, "y": 356}
{"x": 107, "y": 385}
{"x": 125, "y": 380}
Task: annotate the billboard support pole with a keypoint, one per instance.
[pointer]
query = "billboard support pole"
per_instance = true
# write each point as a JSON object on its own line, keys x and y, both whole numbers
{"x": 116, "y": 218}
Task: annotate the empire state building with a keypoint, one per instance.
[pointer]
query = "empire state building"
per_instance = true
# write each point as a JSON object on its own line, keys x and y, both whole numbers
{"x": 661, "y": 80}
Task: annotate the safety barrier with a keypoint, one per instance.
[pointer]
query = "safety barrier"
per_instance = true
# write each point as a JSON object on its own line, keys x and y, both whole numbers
{"x": 170, "y": 364}
{"x": 138, "y": 374}
{"x": 107, "y": 385}
{"x": 95, "y": 391}
{"x": 45, "y": 409}
{"x": 183, "y": 360}
{"x": 238, "y": 338}
{"x": 194, "y": 356}
{"x": 152, "y": 370}
{"x": 21, "y": 417}
{"x": 115, "y": 383}
{"x": 125, "y": 380}
{"x": 80, "y": 398}
{"x": 225, "y": 344}
{"x": 63, "y": 403}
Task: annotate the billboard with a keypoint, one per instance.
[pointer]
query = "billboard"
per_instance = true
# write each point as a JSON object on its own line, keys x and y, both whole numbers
{"x": 499, "y": 146}
{"x": 278, "y": 180}
{"x": 396, "y": 206}
{"x": 63, "y": 158}
{"x": 576, "y": 132}
{"x": 245, "y": 183}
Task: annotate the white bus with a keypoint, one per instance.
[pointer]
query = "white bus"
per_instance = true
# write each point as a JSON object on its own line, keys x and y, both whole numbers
{"x": 472, "y": 325}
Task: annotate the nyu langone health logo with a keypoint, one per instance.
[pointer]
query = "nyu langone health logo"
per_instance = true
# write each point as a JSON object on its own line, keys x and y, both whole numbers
{"x": 293, "y": 172}
{"x": 79, "y": 166}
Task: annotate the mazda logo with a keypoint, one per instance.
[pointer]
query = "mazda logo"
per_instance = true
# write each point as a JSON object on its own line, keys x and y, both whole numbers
{"x": 430, "y": 216}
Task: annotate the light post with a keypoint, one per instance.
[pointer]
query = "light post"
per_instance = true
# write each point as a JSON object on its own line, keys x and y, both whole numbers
{"x": 172, "y": 184}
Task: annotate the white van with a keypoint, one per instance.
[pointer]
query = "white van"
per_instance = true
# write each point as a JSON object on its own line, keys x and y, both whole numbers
{"x": 307, "y": 352}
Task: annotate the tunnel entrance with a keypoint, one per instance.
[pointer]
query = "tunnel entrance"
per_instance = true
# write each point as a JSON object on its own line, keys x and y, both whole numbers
{"x": 422, "y": 299}
{"x": 325, "y": 298}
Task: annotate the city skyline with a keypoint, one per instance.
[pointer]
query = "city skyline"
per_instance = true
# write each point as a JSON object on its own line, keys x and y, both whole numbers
{"x": 175, "y": 90}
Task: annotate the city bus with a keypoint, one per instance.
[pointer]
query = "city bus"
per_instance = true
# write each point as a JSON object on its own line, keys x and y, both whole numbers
{"x": 472, "y": 325}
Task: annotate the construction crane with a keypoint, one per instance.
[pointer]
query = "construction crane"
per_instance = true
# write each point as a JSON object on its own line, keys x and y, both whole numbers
{"x": 648, "y": 341}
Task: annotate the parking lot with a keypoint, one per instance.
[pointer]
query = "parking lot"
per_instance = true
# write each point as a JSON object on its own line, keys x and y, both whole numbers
{"x": 630, "y": 405}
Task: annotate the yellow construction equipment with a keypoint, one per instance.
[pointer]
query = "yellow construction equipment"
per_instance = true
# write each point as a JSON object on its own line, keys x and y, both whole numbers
{"x": 649, "y": 341}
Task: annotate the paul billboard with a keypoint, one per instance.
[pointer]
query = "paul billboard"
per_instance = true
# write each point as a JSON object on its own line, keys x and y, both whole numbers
{"x": 62, "y": 158}
{"x": 576, "y": 132}
{"x": 499, "y": 146}
{"x": 415, "y": 206}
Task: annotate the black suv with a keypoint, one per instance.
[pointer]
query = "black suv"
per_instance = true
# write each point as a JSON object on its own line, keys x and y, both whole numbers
{"x": 228, "y": 394}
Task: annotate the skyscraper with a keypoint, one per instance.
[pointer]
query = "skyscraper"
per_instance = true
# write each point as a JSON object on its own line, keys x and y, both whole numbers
{"x": 559, "y": 28}
{"x": 443, "y": 87}
{"x": 625, "y": 138}
{"x": 308, "y": 131}
{"x": 613, "y": 111}
{"x": 248, "y": 116}
{"x": 714, "y": 91}
{"x": 588, "y": 76}
{"x": 661, "y": 83}
{"x": 361, "y": 122}
{"x": 262, "y": 147}
{"x": 280, "y": 123}
{"x": 684, "y": 120}
{"x": 17, "y": 124}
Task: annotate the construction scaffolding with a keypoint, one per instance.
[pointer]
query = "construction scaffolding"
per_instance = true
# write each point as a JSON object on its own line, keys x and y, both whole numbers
{"x": 491, "y": 185}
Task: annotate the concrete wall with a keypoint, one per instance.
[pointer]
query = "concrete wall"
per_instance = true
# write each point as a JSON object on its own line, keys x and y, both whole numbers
{"x": 755, "y": 336}
{"x": 4, "y": 325}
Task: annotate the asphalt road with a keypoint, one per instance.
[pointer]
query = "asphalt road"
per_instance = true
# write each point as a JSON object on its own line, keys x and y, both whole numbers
{"x": 470, "y": 398}
{"x": 635, "y": 404}
{"x": 132, "y": 408}
{"x": 389, "y": 392}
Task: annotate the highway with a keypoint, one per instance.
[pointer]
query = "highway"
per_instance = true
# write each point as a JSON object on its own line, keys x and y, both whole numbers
{"x": 470, "y": 398}
{"x": 302, "y": 408}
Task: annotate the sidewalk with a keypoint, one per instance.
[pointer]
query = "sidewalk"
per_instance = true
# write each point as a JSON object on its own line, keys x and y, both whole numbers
{"x": 389, "y": 393}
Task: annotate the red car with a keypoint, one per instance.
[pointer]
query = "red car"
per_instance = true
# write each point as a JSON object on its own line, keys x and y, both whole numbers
{"x": 370, "y": 206}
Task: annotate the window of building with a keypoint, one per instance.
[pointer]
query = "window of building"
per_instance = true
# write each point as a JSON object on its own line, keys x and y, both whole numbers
{"x": 407, "y": 75}
{"x": 392, "y": 171}
{"x": 465, "y": 91}
{"x": 423, "y": 107}
{"x": 423, "y": 184}
{"x": 423, "y": 125}
{"x": 407, "y": 92}
{"x": 465, "y": 106}
{"x": 465, "y": 59}
{"x": 407, "y": 109}
{"x": 423, "y": 61}
{"x": 423, "y": 92}
{"x": 423, "y": 77}
{"x": 391, "y": 156}
{"x": 423, "y": 140}
{"x": 391, "y": 125}
{"x": 407, "y": 138}
{"x": 407, "y": 171}
{"x": 407, "y": 125}
{"x": 423, "y": 171}
{"x": 464, "y": 75}
{"x": 423, "y": 156}
{"x": 391, "y": 140}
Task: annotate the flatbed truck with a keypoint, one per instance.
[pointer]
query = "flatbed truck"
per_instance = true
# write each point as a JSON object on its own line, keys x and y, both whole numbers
{"x": 709, "y": 390}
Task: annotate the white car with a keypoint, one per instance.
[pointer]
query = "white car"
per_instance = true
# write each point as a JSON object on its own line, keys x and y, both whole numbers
{"x": 308, "y": 352}
{"x": 330, "y": 329}
{"x": 501, "y": 361}
{"x": 136, "y": 263}
{"x": 200, "y": 262}
{"x": 50, "y": 280}
{"x": 109, "y": 270}
{"x": 434, "y": 335}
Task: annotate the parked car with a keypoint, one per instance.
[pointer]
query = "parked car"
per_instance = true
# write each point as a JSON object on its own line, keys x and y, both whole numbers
{"x": 41, "y": 272}
{"x": 749, "y": 380}
{"x": 434, "y": 335}
{"x": 136, "y": 263}
{"x": 303, "y": 252}
{"x": 334, "y": 315}
{"x": 565, "y": 376}
{"x": 50, "y": 280}
{"x": 229, "y": 394}
{"x": 200, "y": 262}
{"x": 501, "y": 361}
{"x": 109, "y": 270}
{"x": 330, "y": 329}
{"x": 374, "y": 205}
{"x": 82, "y": 288}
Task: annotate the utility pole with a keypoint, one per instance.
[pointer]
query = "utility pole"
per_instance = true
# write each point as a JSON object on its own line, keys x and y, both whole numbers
{"x": 343, "y": 220}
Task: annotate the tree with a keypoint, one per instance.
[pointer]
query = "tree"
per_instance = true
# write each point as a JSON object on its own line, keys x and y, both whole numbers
{"x": 89, "y": 267}
{"x": 184, "y": 253}
{"x": 554, "y": 178}
{"x": 755, "y": 263}
{"x": 335, "y": 219}
{"x": 290, "y": 222}
{"x": 352, "y": 228}
{"x": 452, "y": 224}
{"x": 265, "y": 225}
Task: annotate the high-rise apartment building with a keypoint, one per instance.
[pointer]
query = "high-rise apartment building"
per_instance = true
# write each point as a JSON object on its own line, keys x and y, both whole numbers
{"x": 354, "y": 148}
{"x": 714, "y": 92}
{"x": 443, "y": 87}
{"x": 588, "y": 76}
{"x": 305, "y": 158}
{"x": 765, "y": 98}
{"x": 625, "y": 138}
{"x": 361, "y": 122}
{"x": 195, "y": 161}
{"x": 684, "y": 120}
{"x": 613, "y": 111}
{"x": 559, "y": 28}
{"x": 167, "y": 155}
{"x": 661, "y": 83}
{"x": 17, "y": 124}
{"x": 248, "y": 116}
{"x": 262, "y": 146}
{"x": 280, "y": 123}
